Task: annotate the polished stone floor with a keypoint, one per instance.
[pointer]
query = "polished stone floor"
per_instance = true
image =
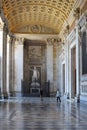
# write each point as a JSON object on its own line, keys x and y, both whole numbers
{"x": 30, "y": 113}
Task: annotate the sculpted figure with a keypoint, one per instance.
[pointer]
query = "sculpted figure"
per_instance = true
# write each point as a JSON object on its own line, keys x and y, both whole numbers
{"x": 35, "y": 75}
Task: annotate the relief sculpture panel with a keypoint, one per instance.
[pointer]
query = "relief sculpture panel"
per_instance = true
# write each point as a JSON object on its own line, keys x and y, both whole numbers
{"x": 34, "y": 53}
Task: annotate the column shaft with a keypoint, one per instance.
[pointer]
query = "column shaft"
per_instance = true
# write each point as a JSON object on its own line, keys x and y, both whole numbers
{"x": 4, "y": 63}
{"x": 77, "y": 65}
{"x": 50, "y": 66}
{"x": 11, "y": 67}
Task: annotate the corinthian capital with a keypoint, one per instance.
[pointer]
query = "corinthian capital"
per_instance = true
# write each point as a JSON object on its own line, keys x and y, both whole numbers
{"x": 54, "y": 41}
{"x": 5, "y": 28}
{"x": 1, "y": 25}
{"x": 19, "y": 40}
{"x": 77, "y": 13}
{"x": 50, "y": 41}
{"x": 12, "y": 39}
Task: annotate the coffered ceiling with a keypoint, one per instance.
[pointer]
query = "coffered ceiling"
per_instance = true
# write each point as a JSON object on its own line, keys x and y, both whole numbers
{"x": 36, "y": 16}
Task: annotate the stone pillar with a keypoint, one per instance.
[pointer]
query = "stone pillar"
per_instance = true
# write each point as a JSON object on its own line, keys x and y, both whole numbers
{"x": 0, "y": 79}
{"x": 77, "y": 65}
{"x": 1, "y": 42}
{"x": 67, "y": 70}
{"x": 11, "y": 66}
{"x": 4, "y": 63}
{"x": 55, "y": 48}
{"x": 18, "y": 65}
{"x": 50, "y": 64}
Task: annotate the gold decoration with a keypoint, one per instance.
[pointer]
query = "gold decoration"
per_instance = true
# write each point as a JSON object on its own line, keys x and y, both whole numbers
{"x": 48, "y": 13}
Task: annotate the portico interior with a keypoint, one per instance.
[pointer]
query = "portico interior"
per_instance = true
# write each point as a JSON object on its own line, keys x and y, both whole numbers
{"x": 50, "y": 35}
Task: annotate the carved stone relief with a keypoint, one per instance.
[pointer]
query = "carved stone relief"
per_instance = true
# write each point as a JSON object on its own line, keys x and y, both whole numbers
{"x": 34, "y": 52}
{"x": 37, "y": 29}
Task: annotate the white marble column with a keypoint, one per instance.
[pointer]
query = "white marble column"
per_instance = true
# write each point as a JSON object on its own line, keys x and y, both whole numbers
{"x": 67, "y": 70}
{"x": 77, "y": 64}
{"x": 55, "y": 65}
{"x": 11, "y": 66}
{"x": 18, "y": 65}
{"x": 1, "y": 44}
{"x": 50, "y": 65}
{"x": 4, "y": 62}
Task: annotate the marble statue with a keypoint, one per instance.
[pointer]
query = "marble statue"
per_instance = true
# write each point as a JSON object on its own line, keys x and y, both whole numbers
{"x": 35, "y": 75}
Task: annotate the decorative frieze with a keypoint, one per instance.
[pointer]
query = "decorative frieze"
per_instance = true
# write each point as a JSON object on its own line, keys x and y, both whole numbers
{"x": 37, "y": 29}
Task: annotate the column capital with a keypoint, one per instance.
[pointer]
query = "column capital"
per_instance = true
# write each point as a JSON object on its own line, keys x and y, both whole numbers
{"x": 19, "y": 40}
{"x": 53, "y": 41}
{"x": 49, "y": 41}
{"x": 12, "y": 39}
{"x": 5, "y": 28}
{"x": 1, "y": 24}
{"x": 66, "y": 31}
{"x": 77, "y": 13}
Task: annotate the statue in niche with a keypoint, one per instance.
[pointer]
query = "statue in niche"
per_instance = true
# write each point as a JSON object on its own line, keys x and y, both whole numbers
{"x": 35, "y": 75}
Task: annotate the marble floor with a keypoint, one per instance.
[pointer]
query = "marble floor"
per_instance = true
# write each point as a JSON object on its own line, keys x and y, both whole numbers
{"x": 28, "y": 113}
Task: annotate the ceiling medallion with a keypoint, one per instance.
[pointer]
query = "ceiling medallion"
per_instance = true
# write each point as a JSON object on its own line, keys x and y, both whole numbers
{"x": 35, "y": 29}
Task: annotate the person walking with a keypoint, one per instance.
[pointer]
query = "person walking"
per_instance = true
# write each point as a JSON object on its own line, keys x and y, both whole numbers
{"x": 58, "y": 95}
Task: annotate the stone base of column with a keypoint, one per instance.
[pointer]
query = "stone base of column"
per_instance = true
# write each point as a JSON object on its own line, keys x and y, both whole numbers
{"x": 0, "y": 94}
{"x": 67, "y": 95}
{"x": 5, "y": 95}
{"x": 78, "y": 98}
